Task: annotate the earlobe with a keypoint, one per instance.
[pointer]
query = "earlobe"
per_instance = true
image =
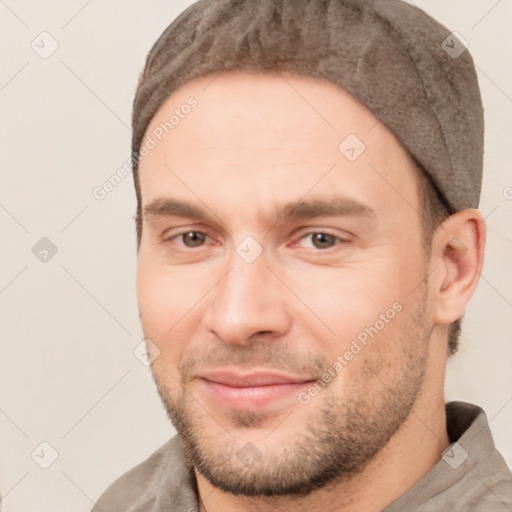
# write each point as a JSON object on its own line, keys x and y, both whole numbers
{"x": 459, "y": 243}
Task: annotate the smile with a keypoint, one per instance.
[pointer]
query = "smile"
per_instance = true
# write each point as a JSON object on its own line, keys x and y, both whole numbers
{"x": 250, "y": 392}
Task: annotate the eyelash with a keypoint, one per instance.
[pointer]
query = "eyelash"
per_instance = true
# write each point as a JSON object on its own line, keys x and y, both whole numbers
{"x": 182, "y": 233}
{"x": 338, "y": 240}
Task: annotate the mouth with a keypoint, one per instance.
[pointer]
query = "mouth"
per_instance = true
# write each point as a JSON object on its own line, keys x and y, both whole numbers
{"x": 250, "y": 391}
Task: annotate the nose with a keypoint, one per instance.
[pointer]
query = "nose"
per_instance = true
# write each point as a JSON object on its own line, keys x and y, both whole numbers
{"x": 248, "y": 304}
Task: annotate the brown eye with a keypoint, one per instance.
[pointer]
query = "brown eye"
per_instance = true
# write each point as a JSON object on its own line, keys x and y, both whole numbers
{"x": 193, "y": 238}
{"x": 322, "y": 240}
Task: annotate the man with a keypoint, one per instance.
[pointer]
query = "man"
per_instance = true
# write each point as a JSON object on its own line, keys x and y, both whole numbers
{"x": 307, "y": 176}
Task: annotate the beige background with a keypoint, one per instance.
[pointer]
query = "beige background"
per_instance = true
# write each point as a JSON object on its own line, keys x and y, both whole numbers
{"x": 68, "y": 375}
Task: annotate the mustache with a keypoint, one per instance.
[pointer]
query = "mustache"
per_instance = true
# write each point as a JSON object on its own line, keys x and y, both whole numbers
{"x": 266, "y": 355}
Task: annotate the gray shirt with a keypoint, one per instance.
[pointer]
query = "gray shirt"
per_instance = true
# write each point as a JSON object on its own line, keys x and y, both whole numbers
{"x": 471, "y": 476}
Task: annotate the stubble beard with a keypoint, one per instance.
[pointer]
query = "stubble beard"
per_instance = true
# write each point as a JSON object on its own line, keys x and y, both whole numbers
{"x": 337, "y": 442}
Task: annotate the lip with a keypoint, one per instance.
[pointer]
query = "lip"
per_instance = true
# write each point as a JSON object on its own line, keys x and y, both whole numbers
{"x": 250, "y": 391}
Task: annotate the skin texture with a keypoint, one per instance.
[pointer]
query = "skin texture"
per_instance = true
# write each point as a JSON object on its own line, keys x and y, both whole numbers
{"x": 253, "y": 143}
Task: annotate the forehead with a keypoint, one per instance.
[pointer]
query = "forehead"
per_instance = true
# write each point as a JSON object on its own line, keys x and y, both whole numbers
{"x": 272, "y": 136}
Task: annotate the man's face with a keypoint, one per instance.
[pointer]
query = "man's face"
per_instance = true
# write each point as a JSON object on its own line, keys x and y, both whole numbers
{"x": 281, "y": 278}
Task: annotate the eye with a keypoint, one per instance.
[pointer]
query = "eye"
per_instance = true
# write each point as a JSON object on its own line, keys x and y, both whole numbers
{"x": 320, "y": 240}
{"x": 190, "y": 238}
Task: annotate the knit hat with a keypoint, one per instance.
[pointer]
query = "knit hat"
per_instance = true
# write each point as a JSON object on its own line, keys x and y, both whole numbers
{"x": 415, "y": 75}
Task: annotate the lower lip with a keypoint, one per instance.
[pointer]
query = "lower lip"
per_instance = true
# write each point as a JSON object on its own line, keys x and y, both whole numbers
{"x": 251, "y": 398}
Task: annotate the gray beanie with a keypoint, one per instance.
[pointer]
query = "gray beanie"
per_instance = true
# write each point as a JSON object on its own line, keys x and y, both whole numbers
{"x": 413, "y": 74}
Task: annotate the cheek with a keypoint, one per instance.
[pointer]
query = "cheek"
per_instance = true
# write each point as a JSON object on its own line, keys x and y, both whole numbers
{"x": 168, "y": 302}
{"x": 160, "y": 310}
{"x": 348, "y": 300}
{"x": 362, "y": 313}
{"x": 153, "y": 301}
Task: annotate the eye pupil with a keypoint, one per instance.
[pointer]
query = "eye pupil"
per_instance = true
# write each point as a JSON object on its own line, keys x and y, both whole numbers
{"x": 323, "y": 240}
{"x": 193, "y": 239}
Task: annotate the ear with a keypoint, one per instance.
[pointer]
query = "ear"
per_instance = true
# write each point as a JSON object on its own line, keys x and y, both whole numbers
{"x": 458, "y": 255}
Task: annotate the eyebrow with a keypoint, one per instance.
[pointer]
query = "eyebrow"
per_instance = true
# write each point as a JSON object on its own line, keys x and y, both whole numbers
{"x": 334, "y": 206}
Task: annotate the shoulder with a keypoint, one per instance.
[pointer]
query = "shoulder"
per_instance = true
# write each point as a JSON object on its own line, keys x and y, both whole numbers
{"x": 141, "y": 488}
{"x": 482, "y": 480}
{"x": 471, "y": 475}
